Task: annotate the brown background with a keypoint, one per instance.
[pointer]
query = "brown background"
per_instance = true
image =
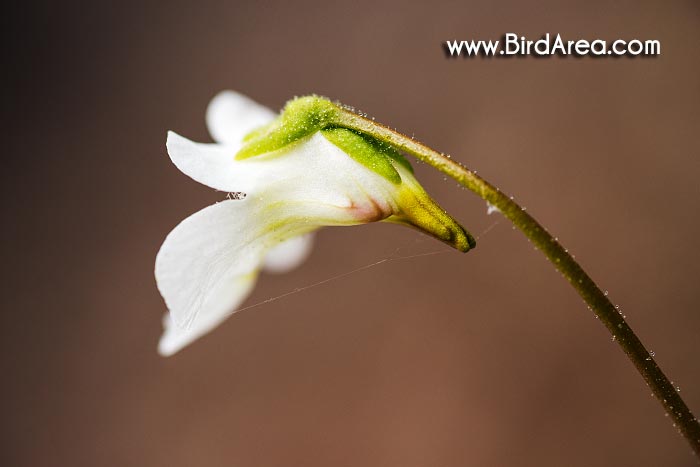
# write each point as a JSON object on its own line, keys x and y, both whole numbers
{"x": 446, "y": 360}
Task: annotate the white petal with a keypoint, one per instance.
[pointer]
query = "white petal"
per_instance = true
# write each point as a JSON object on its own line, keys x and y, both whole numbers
{"x": 230, "y": 116}
{"x": 206, "y": 264}
{"x": 175, "y": 338}
{"x": 312, "y": 170}
{"x": 209, "y": 164}
{"x": 289, "y": 254}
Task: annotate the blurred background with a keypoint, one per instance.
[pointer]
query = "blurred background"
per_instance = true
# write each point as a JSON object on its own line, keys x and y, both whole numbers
{"x": 486, "y": 359}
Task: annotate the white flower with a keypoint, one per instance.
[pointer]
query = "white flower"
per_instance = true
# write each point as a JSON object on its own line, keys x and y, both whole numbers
{"x": 292, "y": 175}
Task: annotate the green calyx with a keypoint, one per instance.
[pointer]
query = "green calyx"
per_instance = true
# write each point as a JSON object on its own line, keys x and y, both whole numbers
{"x": 376, "y": 156}
{"x": 305, "y": 116}
{"x": 301, "y": 117}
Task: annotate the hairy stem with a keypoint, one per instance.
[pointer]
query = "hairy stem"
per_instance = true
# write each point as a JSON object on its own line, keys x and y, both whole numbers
{"x": 597, "y": 300}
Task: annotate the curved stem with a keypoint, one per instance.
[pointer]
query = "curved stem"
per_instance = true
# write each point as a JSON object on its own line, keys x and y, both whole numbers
{"x": 596, "y": 299}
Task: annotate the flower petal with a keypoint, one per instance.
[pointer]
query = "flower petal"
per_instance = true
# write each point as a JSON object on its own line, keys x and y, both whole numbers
{"x": 230, "y": 116}
{"x": 175, "y": 338}
{"x": 289, "y": 254}
{"x": 209, "y": 164}
{"x": 207, "y": 264}
{"x": 313, "y": 169}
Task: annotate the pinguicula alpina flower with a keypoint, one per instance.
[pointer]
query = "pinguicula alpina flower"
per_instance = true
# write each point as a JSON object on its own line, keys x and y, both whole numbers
{"x": 290, "y": 175}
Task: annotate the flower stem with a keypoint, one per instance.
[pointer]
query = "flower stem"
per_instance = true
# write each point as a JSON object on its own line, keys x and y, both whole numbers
{"x": 596, "y": 299}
